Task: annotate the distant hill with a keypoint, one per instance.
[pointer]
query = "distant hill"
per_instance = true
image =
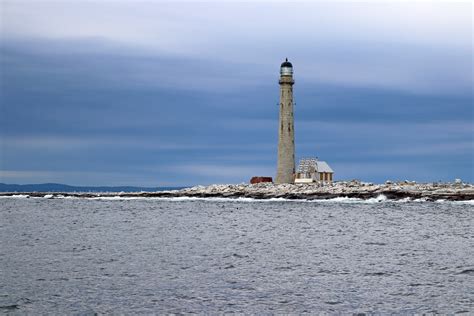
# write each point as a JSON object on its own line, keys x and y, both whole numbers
{"x": 56, "y": 187}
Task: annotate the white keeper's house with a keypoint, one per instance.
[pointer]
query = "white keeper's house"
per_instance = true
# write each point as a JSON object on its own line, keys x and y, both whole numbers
{"x": 313, "y": 170}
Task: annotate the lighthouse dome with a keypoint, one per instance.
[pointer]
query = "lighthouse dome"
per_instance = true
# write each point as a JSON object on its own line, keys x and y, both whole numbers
{"x": 286, "y": 63}
{"x": 286, "y": 68}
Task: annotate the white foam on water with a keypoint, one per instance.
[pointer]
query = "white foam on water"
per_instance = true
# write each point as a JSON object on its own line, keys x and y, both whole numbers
{"x": 69, "y": 197}
{"x": 17, "y": 196}
{"x": 344, "y": 200}
{"x": 444, "y": 201}
{"x": 116, "y": 198}
{"x": 468, "y": 202}
{"x": 378, "y": 199}
{"x": 218, "y": 199}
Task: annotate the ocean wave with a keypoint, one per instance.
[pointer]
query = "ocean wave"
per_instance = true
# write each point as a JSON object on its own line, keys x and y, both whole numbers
{"x": 344, "y": 200}
{"x": 115, "y": 198}
{"x": 16, "y": 196}
{"x": 379, "y": 199}
{"x": 468, "y": 202}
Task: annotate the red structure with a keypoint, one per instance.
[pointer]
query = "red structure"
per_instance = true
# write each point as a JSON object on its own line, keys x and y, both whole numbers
{"x": 260, "y": 179}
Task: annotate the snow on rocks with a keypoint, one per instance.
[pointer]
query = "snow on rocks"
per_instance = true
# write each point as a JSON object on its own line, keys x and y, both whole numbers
{"x": 308, "y": 191}
{"x": 352, "y": 189}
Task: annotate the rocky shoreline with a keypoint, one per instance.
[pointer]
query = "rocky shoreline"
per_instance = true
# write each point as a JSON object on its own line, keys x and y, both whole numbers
{"x": 314, "y": 191}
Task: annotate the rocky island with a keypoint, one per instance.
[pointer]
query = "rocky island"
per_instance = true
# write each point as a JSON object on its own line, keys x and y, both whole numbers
{"x": 408, "y": 190}
{"x": 351, "y": 189}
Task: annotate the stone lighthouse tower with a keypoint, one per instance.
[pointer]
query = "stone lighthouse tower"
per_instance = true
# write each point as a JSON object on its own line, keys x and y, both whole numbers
{"x": 286, "y": 131}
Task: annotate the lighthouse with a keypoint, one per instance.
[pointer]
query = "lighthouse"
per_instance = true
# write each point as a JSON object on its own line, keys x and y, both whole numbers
{"x": 286, "y": 131}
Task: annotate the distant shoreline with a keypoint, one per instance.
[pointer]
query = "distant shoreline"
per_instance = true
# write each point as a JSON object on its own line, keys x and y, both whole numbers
{"x": 64, "y": 188}
{"x": 351, "y": 189}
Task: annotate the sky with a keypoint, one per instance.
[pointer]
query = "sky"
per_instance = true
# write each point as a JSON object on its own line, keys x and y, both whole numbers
{"x": 170, "y": 93}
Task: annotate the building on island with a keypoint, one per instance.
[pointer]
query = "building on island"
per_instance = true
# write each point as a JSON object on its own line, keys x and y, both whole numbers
{"x": 310, "y": 169}
{"x": 255, "y": 180}
{"x": 313, "y": 170}
{"x": 286, "y": 131}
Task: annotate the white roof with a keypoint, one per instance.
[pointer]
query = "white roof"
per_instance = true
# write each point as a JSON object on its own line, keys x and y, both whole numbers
{"x": 322, "y": 166}
{"x": 312, "y": 164}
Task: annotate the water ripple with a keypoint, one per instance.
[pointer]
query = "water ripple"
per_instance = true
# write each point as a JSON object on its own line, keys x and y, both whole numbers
{"x": 147, "y": 256}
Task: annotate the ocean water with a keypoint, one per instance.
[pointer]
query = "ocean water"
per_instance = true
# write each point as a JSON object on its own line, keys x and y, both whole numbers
{"x": 212, "y": 256}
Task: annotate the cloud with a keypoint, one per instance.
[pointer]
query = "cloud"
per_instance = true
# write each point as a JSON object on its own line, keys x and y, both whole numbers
{"x": 60, "y": 143}
{"x": 186, "y": 93}
{"x": 222, "y": 172}
{"x": 76, "y": 177}
{"x": 182, "y": 26}
{"x": 418, "y": 47}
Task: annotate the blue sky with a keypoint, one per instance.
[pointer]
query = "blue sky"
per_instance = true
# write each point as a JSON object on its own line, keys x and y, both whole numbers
{"x": 159, "y": 93}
